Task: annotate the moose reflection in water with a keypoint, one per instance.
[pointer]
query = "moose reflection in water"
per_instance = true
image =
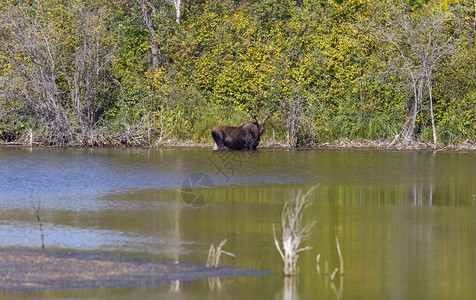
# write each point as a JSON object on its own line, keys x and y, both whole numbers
{"x": 245, "y": 137}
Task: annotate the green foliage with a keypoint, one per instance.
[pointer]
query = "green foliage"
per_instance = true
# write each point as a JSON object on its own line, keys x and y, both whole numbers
{"x": 228, "y": 58}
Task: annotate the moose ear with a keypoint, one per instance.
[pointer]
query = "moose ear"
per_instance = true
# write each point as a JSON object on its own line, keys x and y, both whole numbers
{"x": 269, "y": 115}
{"x": 254, "y": 116}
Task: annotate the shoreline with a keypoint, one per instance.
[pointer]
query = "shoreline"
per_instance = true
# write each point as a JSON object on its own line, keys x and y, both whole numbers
{"x": 355, "y": 145}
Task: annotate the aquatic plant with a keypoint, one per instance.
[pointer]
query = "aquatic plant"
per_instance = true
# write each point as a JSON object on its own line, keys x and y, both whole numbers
{"x": 214, "y": 255}
{"x": 341, "y": 268}
{"x": 294, "y": 231}
{"x": 36, "y": 212}
{"x": 340, "y": 257}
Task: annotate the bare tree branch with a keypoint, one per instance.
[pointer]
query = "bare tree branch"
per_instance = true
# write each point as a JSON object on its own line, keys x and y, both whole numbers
{"x": 157, "y": 58}
{"x": 419, "y": 42}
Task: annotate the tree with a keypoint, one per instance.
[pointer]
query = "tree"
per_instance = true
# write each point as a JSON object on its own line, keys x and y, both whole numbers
{"x": 32, "y": 79}
{"x": 418, "y": 41}
{"x": 177, "y": 5}
{"x": 89, "y": 82}
{"x": 147, "y": 9}
{"x": 298, "y": 112}
{"x": 58, "y": 73}
{"x": 157, "y": 57}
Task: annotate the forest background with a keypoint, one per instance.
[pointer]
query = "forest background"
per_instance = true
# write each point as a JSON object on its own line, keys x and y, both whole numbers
{"x": 123, "y": 72}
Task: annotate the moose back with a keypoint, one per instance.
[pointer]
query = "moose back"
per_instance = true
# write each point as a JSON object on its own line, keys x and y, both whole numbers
{"x": 245, "y": 137}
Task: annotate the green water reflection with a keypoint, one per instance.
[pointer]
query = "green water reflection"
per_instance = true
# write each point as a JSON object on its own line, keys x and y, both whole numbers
{"x": 406, "y": 222}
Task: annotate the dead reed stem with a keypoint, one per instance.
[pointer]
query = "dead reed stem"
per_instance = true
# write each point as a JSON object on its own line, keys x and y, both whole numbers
{"x": 214, "y": 254}
{"x": 294, "y": 231}
{"x": 325, "y": 268}
{"x": 36, "y": 211}
{"x": 334, "y": 273}
{"x": 340, "y": 257}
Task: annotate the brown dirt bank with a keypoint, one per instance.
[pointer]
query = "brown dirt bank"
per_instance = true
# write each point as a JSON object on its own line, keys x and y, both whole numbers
{"x": 29, "y": 270}
{"x": 364, "y": 145}
{"x": 381, "y": 145}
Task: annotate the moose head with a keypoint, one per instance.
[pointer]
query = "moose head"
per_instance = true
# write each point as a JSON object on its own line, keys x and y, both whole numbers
{"x": 245, "y": 137}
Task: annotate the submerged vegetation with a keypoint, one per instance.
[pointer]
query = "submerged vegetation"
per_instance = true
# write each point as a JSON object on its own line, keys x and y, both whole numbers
{"x": 117, "y": 72}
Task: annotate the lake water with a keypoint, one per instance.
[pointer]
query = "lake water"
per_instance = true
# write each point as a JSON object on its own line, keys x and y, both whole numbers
{"x": 406, "y": 221}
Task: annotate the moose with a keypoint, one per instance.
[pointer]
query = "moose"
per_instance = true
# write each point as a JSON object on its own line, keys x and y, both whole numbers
{"x": 245, "y": 137}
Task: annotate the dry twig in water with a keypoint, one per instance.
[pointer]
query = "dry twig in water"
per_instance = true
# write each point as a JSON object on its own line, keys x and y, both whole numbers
{"x": 36, "y": 211}
{"x": 214, "y": 255}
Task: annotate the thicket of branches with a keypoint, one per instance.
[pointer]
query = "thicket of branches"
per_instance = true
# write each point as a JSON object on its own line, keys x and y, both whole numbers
{"x": 56, "y": 78}
{"x": 146, "y": 72}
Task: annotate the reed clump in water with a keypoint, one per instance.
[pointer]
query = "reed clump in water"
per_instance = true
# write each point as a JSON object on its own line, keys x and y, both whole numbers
{"x": 294, "y": 231}
{"x": 214, "y": 255}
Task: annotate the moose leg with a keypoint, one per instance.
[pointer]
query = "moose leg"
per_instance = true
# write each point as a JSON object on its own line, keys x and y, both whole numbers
{"x": 218, "y": 141}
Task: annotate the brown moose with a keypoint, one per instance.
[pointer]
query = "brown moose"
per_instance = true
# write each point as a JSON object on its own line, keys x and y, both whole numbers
{"x": 245, "y": 137}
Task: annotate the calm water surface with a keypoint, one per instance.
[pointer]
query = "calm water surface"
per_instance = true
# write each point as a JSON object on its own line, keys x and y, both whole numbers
{"x": 406, "y": 221}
